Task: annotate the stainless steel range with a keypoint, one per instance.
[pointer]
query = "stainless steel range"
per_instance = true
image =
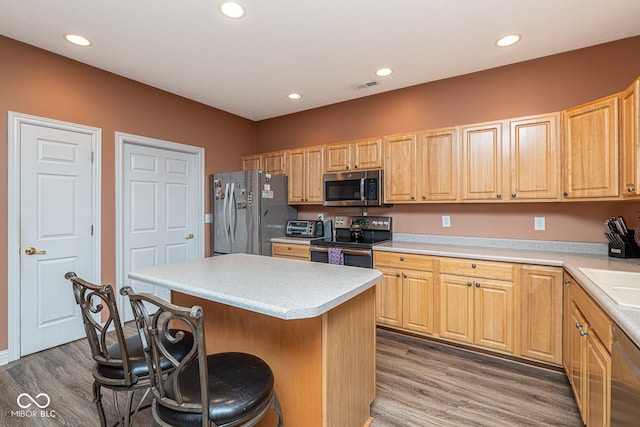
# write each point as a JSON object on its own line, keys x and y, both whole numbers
{"x": 354, "y": 239}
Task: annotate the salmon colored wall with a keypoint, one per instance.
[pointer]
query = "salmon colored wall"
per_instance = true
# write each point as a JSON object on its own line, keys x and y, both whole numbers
{"x": 543, "y": 85}
{"x": 36, "y": 82}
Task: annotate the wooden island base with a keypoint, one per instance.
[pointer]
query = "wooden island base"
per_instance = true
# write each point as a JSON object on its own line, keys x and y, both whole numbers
{"x": 324, "y": 366}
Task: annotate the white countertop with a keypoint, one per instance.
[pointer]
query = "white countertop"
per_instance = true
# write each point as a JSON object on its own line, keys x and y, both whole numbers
{"x": 627, "y": 318}
{"x": 278, "y": 287}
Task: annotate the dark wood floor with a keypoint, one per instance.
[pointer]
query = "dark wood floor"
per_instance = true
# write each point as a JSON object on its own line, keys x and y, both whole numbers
{"x": 419, "y": 384}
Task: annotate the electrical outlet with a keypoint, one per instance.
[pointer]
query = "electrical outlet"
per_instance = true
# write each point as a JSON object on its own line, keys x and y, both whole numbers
{"x": 539, "y": 223}
{"x": 321, "y": 217}
{"x": 446, "y": 221}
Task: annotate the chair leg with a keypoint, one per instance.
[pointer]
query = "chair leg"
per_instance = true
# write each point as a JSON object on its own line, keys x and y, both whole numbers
{"x": 275, "y": 405}
{"x": 97, "y": 398}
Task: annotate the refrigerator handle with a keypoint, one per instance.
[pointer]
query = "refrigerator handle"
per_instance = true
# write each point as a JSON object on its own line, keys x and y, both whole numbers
{"x": 225, "y": 215}
{"x": 232, "y": 214}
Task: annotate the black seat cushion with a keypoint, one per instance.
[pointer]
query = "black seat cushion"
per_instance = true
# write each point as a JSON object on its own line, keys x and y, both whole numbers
{"x": 240, "y": 385}
{"x": 138, "y": 363}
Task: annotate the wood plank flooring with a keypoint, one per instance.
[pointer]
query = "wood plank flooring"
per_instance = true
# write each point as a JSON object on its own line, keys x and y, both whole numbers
{"x": 419, "y": 384}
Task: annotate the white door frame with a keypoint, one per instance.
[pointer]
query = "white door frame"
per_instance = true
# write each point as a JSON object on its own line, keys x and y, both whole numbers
{"x": 14, "y": 120}
{"x": 198, "y": 152}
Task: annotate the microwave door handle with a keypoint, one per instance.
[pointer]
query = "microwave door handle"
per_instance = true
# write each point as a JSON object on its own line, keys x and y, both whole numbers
{"x": 362, "y": 190}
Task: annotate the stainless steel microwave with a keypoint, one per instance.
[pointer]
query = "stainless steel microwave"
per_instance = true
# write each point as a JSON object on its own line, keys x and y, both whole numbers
{"x": 362, "y": 188}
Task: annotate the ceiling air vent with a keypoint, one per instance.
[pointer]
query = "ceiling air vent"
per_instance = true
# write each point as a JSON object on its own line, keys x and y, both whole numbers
{"x": 364, "y": 85}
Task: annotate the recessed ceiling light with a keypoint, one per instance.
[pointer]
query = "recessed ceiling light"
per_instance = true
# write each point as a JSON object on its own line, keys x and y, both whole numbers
{"x": 294, "y": 96}
{"x": 384, "y": 72}
{"x": 77, "y": 40}
{"x": 231, "y": 9}
{"x": 508, "y": 40}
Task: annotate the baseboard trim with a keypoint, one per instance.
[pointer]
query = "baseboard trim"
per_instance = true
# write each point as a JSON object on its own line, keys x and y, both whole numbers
{"x": 4, "y": 357}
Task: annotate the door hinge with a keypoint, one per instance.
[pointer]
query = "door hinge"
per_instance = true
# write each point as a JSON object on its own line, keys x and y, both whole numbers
{"x": 92, "y": 229}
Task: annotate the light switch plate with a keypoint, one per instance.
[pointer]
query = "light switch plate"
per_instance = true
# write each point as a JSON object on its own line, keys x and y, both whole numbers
{"x": 446, "y": 221}
{"x": 539, "y": 223}
{"x": 208, "y": 218}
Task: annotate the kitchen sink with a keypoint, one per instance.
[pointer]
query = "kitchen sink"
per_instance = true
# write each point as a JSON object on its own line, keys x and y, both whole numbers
{"x": 623, "y": 287}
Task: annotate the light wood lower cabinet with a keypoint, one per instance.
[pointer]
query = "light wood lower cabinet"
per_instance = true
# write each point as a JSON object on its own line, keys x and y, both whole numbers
{"x": 511, "y": 308}
{"x": 478, "y": 311}
{"x": 540, "y": 313}
{"x": 587, "y": 357}
{"x": 291, "y": 251}
{"x": 404, "y": 297}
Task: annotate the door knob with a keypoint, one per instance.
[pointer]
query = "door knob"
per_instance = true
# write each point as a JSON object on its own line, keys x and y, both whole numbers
{"x": 33, "y": 251}
{"x": 189, "y": 236}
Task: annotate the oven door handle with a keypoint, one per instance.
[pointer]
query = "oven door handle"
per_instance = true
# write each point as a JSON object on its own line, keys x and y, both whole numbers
{"x": 357, "y": 252}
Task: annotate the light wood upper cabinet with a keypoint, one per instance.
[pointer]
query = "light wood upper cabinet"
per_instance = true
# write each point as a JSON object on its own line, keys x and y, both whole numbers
{"x": 482, "y": 162}
{"x": 540, "y": 313}
{"x": 275, "y": 162}
{"x": 400, "y": 168}
{"x": 362, "y": 154}
{"x": 252, "y": 162}
{"x": 305, "y": 175}
{"x": 591, "y": 150}
{"x": 437, "y": 167}
{"x": 535, "y": 157}
{"x": 630, "y": 139}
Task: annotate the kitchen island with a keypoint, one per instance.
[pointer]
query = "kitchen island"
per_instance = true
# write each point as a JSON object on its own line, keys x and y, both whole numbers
{"x": 313, "y": 323}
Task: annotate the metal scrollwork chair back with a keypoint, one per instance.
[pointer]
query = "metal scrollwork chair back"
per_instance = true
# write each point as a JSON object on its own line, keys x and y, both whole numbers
{"x": 223, "y": 389}
{"x": 121, "y": 366}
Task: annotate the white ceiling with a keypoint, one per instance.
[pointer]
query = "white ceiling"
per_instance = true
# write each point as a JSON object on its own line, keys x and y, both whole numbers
{"x": 319, "y": 48}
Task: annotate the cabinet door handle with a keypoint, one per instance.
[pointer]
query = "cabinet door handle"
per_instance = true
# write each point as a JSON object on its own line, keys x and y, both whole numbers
{"x": 499, "y": 196}
{"x": 578, "y": 325}
{"x": 565, "y": 194}
{"x": 629, "y": 189}
{"x": 566, "y": 281}
{"x": 347, "y": 167}
{"x": 513, "y": 195}
{"x": 413, "y": 197}
{"x": 469, "y": 284}
{"x": 397, "y": 274}
{"x": 404, "y": 275}
{"x": 356, "y": 166}
{"x": 583, "y": 333}
{"x": 477, "y": 285}
{"x": 424, "y": 197}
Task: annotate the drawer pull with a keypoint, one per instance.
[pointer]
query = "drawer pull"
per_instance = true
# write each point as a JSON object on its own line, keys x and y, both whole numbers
{"x": 401, "y": 258}
{"x": 473, "y": 266}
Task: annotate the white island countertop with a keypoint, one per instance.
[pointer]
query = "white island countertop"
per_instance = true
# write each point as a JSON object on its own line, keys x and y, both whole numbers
{"x": 278, "y": 287}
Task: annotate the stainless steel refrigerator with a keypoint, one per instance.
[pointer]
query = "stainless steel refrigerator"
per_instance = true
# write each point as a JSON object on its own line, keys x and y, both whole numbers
{"x": 249, "y": 208}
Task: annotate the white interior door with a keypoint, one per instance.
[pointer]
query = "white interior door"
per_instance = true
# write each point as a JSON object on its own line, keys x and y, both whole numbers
{"x": 159, "y": 211}
{"x": 55, "y": 232}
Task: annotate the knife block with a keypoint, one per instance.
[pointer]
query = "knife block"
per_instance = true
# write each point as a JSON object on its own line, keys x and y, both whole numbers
{"x": 630, "y": 249}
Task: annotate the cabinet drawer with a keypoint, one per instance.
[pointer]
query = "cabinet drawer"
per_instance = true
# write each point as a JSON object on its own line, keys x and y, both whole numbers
{"x": 596, "y": 318}
{"x": 402, "y": 260}
{"x": 473, "y": 268}
{"x": 290, "y": 250}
